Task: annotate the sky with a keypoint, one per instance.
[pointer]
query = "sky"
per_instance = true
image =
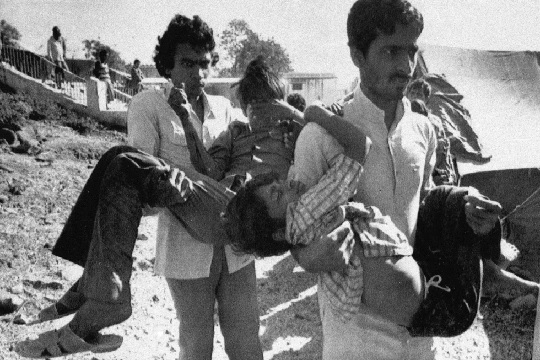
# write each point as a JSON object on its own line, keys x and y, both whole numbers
{"x": 313, "y": 32}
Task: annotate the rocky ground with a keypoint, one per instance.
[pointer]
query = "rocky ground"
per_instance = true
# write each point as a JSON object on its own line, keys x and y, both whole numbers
{"x": 37, "y": 191}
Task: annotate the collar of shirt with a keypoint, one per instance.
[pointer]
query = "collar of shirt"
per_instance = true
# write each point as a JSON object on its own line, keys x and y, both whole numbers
{"x": 365, "y": 109}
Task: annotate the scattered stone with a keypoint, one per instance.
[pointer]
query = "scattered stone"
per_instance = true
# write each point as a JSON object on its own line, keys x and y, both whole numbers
{"x": 7, "y": 306}
{"x": 144, "y": 265}
{"x": 38, "y": 284}
{"x": 17, "y": 289}
{"x": 21, "y": 319}
{"x": 8, "y": 135}
{"x": 155, "y": 298}
{"x": 47, "y": 157}
{"x": 142, "y": 237}
{"x": 523, "y": 302}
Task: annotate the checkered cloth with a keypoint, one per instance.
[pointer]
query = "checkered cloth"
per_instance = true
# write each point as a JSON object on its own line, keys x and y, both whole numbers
{"x": 326, "y": 206}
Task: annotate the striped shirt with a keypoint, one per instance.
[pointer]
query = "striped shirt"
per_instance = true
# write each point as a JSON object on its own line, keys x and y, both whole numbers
{"x": 326, "y": 206}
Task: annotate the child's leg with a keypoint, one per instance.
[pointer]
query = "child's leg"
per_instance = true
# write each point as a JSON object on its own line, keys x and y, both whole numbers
{"x": 74, "y": 241}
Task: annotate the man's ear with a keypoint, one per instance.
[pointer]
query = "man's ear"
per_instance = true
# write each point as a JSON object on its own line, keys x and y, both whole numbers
{"x": 357, "y": 56}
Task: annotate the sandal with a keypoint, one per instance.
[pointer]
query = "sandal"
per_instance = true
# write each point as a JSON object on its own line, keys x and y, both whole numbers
{"x": 70, "y": 303}
{"x": 64, "y": 342}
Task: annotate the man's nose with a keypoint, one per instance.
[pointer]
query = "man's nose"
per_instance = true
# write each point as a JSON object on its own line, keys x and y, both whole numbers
{"x": 199, "y": 71}
{"x": 406, "y": 63}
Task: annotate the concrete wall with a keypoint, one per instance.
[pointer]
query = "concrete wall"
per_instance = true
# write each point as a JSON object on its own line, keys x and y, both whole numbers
{"x": 24, "y": 83}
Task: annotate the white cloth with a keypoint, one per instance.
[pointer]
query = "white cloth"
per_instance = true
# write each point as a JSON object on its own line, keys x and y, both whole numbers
{"x": 55, "y": 49}
{"x": 399, "y": 163}
{"x": 154, "y": 127}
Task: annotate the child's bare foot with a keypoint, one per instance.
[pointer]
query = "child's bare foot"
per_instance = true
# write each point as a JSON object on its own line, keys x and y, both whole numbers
{"x": 509, "y": 254}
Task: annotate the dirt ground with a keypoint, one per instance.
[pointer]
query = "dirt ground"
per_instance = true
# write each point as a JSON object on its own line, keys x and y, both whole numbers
{"x": 36, "y": 194}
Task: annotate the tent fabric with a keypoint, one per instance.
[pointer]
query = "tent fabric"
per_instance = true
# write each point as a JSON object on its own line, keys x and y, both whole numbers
{"x": 456, "y": 119}
{"x": 501, "y": 90}
{"x": 518, "y": 191}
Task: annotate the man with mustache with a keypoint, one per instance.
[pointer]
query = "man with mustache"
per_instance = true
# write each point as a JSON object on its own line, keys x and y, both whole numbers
{"x": 382, "y": 37}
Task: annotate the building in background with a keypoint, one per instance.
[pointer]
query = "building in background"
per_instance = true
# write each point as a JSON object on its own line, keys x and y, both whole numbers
{"x": 313, "y": 86}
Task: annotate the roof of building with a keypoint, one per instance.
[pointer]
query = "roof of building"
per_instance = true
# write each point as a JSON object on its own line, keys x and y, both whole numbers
{"x": 299, "y": 75}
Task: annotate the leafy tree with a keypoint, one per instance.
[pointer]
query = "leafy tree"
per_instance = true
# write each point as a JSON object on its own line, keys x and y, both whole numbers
{"x": 241, "y": 45}
{"x": 9, "y": 33}
{"x": 92, "y": 49}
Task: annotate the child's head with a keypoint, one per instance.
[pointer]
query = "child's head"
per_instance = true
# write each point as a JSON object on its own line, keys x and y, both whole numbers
{"x": 256, "y": 217}
{"x": 297, "y": 101}
{"x": 258, "y": 84}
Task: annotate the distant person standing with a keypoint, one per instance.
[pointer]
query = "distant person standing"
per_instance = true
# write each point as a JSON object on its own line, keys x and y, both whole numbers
{"x": 101, "y": 71}
{"x": 56, "y": 51}
{"x": 136, "y": 77}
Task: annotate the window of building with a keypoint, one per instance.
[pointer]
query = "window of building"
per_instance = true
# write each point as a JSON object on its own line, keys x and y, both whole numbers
{"x": 297, "y": 86}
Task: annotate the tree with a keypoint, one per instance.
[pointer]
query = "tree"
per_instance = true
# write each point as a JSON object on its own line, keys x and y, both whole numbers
{"x": 241, "y": 45}
{"x": 9, "y": 33}
{"x": 92, "y": 49}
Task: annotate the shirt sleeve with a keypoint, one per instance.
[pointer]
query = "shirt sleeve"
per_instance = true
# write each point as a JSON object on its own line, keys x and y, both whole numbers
{"x": 142, "y": 127}
{"x": 316, "y": 212}
{"x": 313, "y": 150}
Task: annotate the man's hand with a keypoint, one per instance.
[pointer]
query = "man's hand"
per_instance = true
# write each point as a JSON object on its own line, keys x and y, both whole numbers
{"x": 328, "y": 253}
{"x": 178, "y": 101}
{"x": 481, "y": 213}
{"x": 166, "y": 186}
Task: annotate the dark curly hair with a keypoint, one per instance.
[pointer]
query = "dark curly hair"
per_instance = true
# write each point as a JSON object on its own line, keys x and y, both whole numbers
{"x": 182, "y": 30}
{"x": 297, "y": 101}
{"x": 370, "y": 18}
{"x": 259, "y": 83}
{"x": 248, "y": 224}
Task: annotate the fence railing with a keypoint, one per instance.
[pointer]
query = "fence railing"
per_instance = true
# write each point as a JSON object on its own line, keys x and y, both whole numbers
{"x": 122, "y": 82}
{"x": 38, "y": 67}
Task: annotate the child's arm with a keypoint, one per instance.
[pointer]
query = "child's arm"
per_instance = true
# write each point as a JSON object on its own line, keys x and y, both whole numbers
{"x": 348, "y": 135}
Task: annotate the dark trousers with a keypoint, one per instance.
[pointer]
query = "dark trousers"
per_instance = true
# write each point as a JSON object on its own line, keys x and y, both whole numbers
{"x": 450, "y": 255}
{"x": 101, "y": 230}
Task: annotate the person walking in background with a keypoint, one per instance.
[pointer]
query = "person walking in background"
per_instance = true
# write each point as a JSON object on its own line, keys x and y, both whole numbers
{"x": 56, "y": 52}
{"x": 101, "y": 71}
{"x": 136, "y": 77}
